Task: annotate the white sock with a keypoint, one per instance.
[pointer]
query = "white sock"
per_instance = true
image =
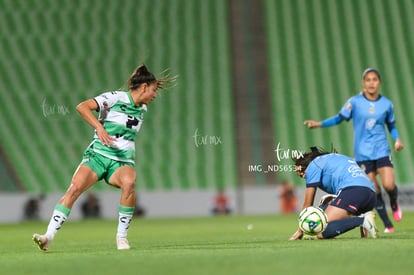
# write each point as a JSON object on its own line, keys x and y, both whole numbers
{"x": 123, "y": 225}
{"x": 59, "y": 216}
{"x": 125, "y": 217}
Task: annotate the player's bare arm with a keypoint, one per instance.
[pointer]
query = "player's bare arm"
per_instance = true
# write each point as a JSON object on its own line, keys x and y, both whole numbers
{"x": 85, "y": 109}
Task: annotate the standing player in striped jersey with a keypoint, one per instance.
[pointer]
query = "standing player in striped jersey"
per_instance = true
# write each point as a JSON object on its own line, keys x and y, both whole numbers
{"x": 111, "y": 154}
{"x": 371, "y": 112}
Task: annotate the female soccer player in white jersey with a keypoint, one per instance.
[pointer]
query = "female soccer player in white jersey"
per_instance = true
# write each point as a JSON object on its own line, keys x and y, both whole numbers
{"x": 371, "y": 112}
{"x": 111, "y": 155}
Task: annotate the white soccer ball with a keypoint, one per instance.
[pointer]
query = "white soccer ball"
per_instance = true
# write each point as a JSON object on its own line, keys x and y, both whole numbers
{"x": 312, "y": 220}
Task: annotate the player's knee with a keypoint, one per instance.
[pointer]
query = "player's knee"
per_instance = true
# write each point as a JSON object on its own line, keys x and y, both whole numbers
{"x": 128, "y": 184}
{"x": 388, "y": 185}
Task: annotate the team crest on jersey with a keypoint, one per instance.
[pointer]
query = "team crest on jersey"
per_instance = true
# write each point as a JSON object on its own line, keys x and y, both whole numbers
{"x": 105, "y": 105}
{"x": 349, "y": 106}
{"x": 370, "y": 123}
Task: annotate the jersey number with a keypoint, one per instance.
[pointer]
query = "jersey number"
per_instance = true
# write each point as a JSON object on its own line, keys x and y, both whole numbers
{"x": 132, "y": 121}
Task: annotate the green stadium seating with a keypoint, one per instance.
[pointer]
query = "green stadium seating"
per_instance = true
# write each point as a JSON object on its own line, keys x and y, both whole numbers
{"x": 56, "y": 54}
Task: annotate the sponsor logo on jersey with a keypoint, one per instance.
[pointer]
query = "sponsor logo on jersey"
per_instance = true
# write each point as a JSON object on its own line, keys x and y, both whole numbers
{"x": 371, "y": 108}
{"x": 370, "y": 123}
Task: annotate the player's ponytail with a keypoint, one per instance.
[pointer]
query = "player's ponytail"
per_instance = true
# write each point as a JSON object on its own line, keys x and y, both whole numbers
{"x": 142, "y": 75}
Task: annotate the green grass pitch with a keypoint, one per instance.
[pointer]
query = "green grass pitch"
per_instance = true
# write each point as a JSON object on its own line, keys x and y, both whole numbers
{"x": 212, "y": 245}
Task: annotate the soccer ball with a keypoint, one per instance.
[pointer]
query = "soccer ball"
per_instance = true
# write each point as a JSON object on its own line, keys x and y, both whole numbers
{"x": 312, "y": 220}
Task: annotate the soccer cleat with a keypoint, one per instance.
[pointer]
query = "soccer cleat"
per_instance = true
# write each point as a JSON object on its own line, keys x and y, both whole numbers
{"x": 397, "y": 213}
{"x": 389, "y": 230}
{"x": 41, "y": 241}
{"x": 122, "y": 243}
{"x": 369, "y": 227}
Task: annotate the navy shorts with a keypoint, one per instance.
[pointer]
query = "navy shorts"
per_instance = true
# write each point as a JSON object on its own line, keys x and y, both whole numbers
{"x": 372, "y": 165}
{"x": 356, "y": 199}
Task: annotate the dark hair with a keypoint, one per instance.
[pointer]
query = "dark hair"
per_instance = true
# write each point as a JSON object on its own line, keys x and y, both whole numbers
{"x": 141, "y": 75}
{"x": 369, "y": 70}
{"x": 304, "y": 160}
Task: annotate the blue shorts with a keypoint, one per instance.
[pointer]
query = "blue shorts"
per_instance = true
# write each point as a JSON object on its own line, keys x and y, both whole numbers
{"x": 356, "y": 200}
{"x": 372, "y": 165}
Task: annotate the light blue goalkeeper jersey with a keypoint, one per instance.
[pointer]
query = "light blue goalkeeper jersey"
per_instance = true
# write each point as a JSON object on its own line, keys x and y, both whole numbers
{"x": 333, "y": 172}
{"x": 369, "y": 121}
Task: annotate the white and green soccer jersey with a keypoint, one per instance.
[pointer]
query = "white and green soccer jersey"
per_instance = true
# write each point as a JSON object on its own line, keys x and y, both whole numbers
{"x": 122, "y": 120}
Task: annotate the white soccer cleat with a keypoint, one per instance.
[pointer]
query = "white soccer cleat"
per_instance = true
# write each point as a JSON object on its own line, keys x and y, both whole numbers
{"x": 369, "y": 227}
{"x": 41, "y": 241}
{"x": 122, "y": 243}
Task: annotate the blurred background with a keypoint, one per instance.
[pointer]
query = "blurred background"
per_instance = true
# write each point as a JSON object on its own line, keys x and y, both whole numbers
{"x": 250, "y": 72}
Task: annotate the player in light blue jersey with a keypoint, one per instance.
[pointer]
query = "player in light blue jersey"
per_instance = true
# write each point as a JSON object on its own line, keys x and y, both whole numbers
{"x": 111, "y": 155}
{"x": 371, "y": 114}
{"x": 341, "y": 176}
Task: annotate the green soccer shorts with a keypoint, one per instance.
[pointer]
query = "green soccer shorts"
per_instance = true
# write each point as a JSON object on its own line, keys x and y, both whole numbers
{"x": 103, "y": 167}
